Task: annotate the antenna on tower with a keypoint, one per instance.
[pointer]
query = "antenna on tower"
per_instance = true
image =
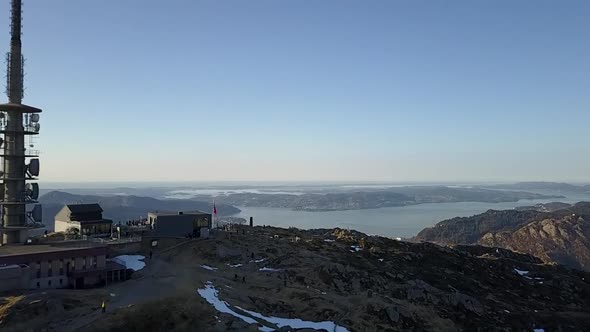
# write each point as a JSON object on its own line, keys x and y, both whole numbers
{"x": 16, "y": 122}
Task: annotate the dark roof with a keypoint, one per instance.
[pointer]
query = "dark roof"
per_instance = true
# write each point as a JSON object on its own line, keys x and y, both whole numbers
{"x": 19, "y": 108}
{"x": 186, "y": 213}
{"x": 97, "y": 221}
{"x": 26, "y": 249}
{"x": 84, "y": 208}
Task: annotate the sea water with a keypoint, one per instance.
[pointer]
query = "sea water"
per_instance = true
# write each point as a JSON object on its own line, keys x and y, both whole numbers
{"x": 403, "y": 221}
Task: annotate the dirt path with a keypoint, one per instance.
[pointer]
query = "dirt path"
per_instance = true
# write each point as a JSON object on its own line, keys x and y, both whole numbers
{"x": 158, "y": 280}
{"x": 150, "y": 284}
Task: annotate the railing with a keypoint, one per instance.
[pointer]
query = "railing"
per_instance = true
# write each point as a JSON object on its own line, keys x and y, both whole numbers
{"x": 126, "y": 240}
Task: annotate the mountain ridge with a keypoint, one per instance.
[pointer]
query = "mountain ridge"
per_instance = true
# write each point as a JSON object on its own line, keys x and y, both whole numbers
{"x": 378, "y": 198}
{"x": 561, "y": 236}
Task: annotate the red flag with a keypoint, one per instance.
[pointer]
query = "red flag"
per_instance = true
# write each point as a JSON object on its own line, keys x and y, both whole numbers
{"x": 214, "y": 209}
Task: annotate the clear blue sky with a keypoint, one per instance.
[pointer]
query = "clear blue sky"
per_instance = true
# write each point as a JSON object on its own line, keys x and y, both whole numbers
{"x": 309, "y": 90}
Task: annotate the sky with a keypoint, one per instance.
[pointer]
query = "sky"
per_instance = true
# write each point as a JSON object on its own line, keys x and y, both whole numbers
{"x": 183, "y": 90}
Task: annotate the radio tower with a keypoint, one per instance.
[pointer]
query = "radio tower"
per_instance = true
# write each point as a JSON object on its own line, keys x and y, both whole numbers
{"x": 17, "y": 121}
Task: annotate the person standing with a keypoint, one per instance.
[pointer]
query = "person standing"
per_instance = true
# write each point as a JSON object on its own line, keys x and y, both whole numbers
{"x": 104, "y": 307}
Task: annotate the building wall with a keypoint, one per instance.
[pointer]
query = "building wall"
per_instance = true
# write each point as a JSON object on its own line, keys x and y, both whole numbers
{"x": 53, "y": 273}
{"x": 49, "y": 282}
{"x": 62, "y": 226}
{"x": 49, "y": 269}
{"x": 14, "y": 277}
{"x": 179, "y": 225}
{"x": 174, "y": 225}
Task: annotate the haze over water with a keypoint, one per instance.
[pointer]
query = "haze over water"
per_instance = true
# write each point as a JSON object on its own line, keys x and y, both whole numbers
{"x": 403, "y": 221}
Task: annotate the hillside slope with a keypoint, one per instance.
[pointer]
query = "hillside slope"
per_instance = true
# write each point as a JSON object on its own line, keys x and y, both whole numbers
{"x": 561, "y": 236}
{"x": 565, "y": 240}
{"x": 360, "y": 282}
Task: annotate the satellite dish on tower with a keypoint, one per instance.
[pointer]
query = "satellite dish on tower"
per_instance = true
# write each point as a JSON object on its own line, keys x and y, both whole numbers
{"x": 37, "y": 126}
{"x": 34, "y": 167}
{"x": 32, "y": 190}
{"x": 35, "y": 117}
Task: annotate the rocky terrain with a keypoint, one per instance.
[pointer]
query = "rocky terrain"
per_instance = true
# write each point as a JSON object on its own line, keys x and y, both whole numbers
{"x": 373, "y": 199}
{"x": 560, "y": 235}
{"x": 564, "y": 240}
{"x": 359, "y": 282}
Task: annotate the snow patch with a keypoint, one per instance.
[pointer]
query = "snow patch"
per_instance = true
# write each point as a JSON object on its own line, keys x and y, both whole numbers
{"x": 269, "y": 269}
{"x": 297, "y": 323}
{"x": 521, "y": 272}
{"x": 538, "y": 330}
{"x": 381, "y": 259}
{"x": 258, "y": 260}
{"x": 207, "y": 267}
{"x": 234, "y": 265}
{"x": 133, "y": 262}
{"x": 329, "y": 240}
{"x": 356, "y": 248}
{"x": 211, "y": 295}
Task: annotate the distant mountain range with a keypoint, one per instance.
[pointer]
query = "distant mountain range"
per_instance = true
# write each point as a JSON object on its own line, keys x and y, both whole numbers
{"x": 552, "y": 186}
{"x": 373, "y": 199}
{"x": 123, "y": 207}
{"x": 545, "y": 207}
{"x": 556, "y": 235}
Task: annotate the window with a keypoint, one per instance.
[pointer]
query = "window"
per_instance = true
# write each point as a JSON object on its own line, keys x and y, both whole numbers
{"x": 83, "y": 263}
{"x": 61, "y": 267}
{"x": 60, "y": 281}
{"x": 38, "y": 269}
{"x": 49, "y": 283}
{"x": 38, "y": 284}
{"x": 95, "y": 262}
{"x": 50, "y": 269}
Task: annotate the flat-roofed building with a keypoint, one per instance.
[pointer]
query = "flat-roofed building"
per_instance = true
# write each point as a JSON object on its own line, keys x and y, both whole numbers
{"x": 50, "y": 266}
{"x": 86, "y": 218}
{"x": 180, "y": 224}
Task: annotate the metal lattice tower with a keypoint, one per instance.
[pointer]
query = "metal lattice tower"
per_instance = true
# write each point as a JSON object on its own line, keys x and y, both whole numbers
{"x": 17, "y": 121}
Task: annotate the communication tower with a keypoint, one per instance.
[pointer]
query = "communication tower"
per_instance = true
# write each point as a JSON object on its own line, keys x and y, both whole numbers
{"x": 20, "y": 160}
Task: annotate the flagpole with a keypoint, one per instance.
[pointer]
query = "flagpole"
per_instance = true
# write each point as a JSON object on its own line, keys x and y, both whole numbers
{"x": 214, "y": 213}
